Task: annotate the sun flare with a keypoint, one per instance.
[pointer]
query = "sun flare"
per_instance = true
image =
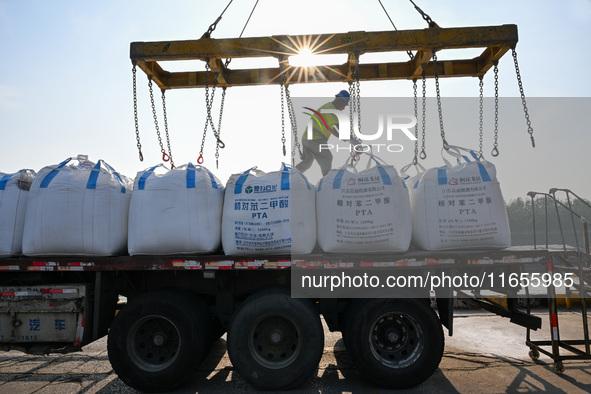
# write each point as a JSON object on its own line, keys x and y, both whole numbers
{"x": 304, "y": 58}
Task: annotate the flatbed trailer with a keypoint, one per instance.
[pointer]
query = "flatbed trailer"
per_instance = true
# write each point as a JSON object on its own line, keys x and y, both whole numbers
{"x": 176, "y": 306}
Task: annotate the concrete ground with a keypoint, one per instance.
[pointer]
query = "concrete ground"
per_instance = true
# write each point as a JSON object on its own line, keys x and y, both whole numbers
{"x": 487, "y": 354}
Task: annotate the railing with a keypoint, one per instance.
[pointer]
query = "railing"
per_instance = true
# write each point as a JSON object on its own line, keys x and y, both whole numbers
{"x": 565, "y": 265}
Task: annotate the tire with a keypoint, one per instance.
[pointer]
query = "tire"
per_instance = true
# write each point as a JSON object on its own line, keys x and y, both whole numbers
{"x": 158, "y": 339}
{"x": 395, "y": 344}
{"x": 275, "y": 342}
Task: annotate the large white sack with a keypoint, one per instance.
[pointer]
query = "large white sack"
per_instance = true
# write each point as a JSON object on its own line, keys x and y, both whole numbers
{"x": 361, "y": 212}
{"x": 460, "y": 206}
{"x": 78, "y": 209}
{"x": 14, "y": 191}
{"x": 269, "y": 213}
{"x": 179, "y": 211}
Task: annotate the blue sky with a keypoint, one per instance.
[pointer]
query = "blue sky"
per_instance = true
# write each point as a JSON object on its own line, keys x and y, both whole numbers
{"x": 65, "y": 81}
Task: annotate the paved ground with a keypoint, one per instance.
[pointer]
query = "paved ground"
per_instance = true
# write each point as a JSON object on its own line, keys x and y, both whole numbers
{"x": 486, "y": 355}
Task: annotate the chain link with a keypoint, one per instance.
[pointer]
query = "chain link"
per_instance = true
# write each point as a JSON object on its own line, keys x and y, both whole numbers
{"x": 135, "y": 118}
{"x": 294, "y": 126}
{"x": 208, "y": 109}
{"x": 414, "y": 89}
{"x": 283, "y": 139}
{"x": 165, "y": 156}
{"x": 351, "y": 109}
{"x": 358, "y": 98}
{"x": 209, "y": 119}
{"x": 481, "y": 113}
{"x": 219, "y": 144}
{"x": 495, "y": 150}
{"x": 426, "y": 17}
{"x": 423, "y": 154}
{"x": 166, "y": 128}
{"x": 530, "y": 130}
{"x": 439, "y": 100}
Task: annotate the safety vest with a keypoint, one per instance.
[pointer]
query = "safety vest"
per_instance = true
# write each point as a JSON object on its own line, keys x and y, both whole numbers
{"x": 320, "y": 132}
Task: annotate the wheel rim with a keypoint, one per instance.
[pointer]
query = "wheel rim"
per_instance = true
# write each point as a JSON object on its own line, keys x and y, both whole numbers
{"x": 274, "y": 341}
{"x": 396, "y": 340}
{"x": 154, "y": 343}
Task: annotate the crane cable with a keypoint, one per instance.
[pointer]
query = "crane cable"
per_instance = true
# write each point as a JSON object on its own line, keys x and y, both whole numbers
{"x": 426, "y": 17}
{"x": 215, "y": 23}
{"x": 409, "y": 53}
{"x": 243, "y": 28}
{"x": 208, "y": 101}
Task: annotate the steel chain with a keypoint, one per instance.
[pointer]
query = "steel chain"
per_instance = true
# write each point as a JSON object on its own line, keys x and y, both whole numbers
{"x": 423, "y": 154}
{"x": 166, "y": 128}
{"x": 426, "y": 17}
{"x": 209, "y": 120}
{"x": 283, "y": 139}
{"x": 414, "y": 89}
{"x": 219, "y": 144}
{"x": 439, "y": 100}
{"x": 164, "y": 154}
{"x": 294, "y": 126}
{"x": 200, "y": 158}
{"x": 481, "y": 113}
{"x": 358, "y": 97}
{"x": 530, "y": 130}
{"x": 495, "y": 150}
{"x": 351, "y": 108}
{"x": 135, "y": 117}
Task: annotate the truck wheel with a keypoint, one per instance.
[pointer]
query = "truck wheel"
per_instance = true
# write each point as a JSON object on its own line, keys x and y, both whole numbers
{"x": 395, "y": 344}
{"x": 275, "y": 341}
{"x": 158, "y": 339}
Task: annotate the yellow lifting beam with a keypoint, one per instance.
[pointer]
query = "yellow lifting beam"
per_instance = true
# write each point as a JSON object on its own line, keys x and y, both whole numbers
{"x": 495, "y": 41}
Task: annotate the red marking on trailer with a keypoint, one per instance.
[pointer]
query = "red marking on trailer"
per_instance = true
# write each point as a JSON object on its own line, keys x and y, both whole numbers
{"x": 226, "y": 264}
{"x": 14, "y": 294}
{"x": 59, "y": 291}
{"x": 283, "y": 264}
{"x": 251, "y": 265}
{"x": 9, "y": 268}
{"x": 219, "y": 265}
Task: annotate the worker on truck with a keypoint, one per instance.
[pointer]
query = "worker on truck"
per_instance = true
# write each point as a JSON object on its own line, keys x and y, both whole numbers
{"x": 321, "y": 131}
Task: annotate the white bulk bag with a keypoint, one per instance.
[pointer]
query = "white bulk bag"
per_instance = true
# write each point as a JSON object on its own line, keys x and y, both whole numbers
{"x": 269, "y": 213}
{"x": 412, "y": 181}
{"x": 14, "y": 191}
{"x": 459, "y": 207}
{"x": 176, "y": 212}
{"x": 361, "y": 212}
{"x": 79, "y": 210}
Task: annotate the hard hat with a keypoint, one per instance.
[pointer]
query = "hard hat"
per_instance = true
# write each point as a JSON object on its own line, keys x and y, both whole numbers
{"x": 343, "y": 94}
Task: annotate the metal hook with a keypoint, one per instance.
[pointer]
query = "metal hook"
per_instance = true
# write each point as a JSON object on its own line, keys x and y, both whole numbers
{"x": 200, "y": 159}
{"x": 495, "y": 152}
